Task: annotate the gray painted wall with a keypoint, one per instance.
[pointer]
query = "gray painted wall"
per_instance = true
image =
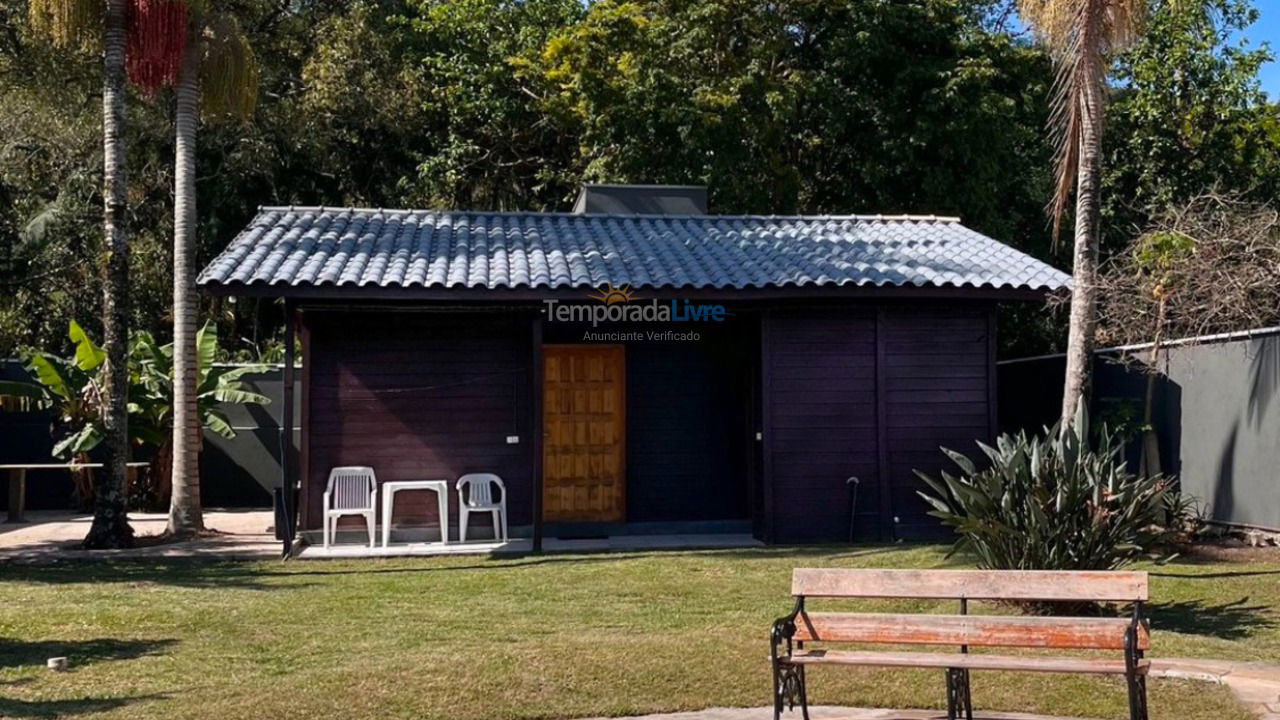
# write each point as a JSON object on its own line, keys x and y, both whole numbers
{"x": 240, "y": 472}
{"x": 1217, "y": 416}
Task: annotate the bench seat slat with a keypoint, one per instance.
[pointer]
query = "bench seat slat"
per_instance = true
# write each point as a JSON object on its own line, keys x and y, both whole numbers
{"x": 1028, "y": 663}
{"x": 1012, "y": 585}
{"x": 978, "y": 630}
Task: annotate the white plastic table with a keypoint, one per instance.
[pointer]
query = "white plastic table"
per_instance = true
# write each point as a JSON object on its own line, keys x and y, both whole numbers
{"x": 389, "y": 490}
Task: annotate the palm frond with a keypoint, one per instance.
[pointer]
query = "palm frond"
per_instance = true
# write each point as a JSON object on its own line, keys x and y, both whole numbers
{"x": 229, "y": 73}
{"x": 1082, "y": 37}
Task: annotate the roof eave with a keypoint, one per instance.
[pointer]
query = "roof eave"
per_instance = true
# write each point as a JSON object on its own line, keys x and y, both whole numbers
{"x": 539, "y": 294}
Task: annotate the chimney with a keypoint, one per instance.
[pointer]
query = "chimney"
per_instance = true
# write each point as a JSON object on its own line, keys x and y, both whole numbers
{"x": 642, "y": 200}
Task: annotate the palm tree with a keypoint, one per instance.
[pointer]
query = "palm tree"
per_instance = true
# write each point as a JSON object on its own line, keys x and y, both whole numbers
{"x": 185, "y": 512}
{"x": 218, "y": 57}
{"x": 147, "y": 41}
{"x": 1082, "y": 36}
{"x": 93, "y": 24}
{"x": 110, "y": 528}
{"x": 138, "y": 42}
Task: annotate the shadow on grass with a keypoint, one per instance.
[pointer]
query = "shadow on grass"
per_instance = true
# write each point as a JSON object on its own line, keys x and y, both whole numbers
{"x": 66, "y": 708}
{"x": 17, "y": 653}
{"x": 253, "y": 575}
{"x": 1214, "y": 575}
{"x": 507, "y": 562}
{"x": 197, "y": 573}
{"x": 1229, "y": 620}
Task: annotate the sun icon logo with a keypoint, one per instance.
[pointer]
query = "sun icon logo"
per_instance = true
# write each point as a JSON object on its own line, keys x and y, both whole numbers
{"x": 610, "y": 295}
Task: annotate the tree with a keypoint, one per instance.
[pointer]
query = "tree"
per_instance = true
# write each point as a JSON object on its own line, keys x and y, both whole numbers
{"x": 186, "y": 515}
{"x": 69, "y": 23}
{"x": 110, "y": 527}
{"x": 1083, "y": 37}
{"x": 172, "y": 44}
{"x": 219, "y": 51}
{"x": 70, "y": 389}
{"x": 1209, "y": 266}
{"x": 1189, "y": 116}
{"x": 807, "y": 107}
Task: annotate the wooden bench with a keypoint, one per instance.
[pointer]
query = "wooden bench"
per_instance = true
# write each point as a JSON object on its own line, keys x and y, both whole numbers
{"x": 793, "y": 635}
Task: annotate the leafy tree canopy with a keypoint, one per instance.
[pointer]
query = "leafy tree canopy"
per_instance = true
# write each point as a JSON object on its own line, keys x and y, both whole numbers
{"x": 925, "y": 106}
{"x": 1190, "y": 116}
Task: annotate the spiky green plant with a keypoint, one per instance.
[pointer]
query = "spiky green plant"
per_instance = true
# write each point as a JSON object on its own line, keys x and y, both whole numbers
{"x": 1054, "y": 501}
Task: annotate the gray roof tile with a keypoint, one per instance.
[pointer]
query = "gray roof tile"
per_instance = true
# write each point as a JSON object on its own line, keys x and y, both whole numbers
{"x": 423, "y": 248}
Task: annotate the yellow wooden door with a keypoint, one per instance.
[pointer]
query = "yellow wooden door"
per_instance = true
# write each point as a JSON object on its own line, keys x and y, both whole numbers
{"x": 584, "y": 426}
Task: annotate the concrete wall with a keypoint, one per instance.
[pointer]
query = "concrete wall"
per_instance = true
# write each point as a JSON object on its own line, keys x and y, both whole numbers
{"x": 240, "y": 472}
{"x": 1217, "y": 416}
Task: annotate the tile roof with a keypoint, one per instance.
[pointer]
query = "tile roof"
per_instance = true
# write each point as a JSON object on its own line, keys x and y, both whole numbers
{"x": 343, "y": 247}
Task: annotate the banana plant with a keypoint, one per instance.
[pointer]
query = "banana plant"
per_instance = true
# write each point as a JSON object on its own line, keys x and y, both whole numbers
{"x": 152, "y": 407}
{"x": 69, "y": 388}
{"x": 215, "y": 385}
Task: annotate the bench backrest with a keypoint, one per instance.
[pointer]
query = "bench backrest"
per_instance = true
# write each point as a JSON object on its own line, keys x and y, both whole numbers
{"x": 1080, "y": 633}
{"x": 1012, "y": 585}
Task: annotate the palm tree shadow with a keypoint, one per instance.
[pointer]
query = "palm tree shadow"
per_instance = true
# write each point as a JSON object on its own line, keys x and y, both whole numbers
{"x": 174, "y": 572}
{"x": 17, "y": 653}
{"x": 1228, "y": 621}
{"x": 66, "y": 708}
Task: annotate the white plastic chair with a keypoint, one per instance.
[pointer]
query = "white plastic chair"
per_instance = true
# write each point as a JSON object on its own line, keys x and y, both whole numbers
{"x": 475, "y": 494}
{"x": 351, "y": 491}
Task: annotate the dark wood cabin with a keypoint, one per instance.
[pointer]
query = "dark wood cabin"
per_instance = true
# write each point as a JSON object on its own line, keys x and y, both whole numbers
{"x": 798, "y": 352}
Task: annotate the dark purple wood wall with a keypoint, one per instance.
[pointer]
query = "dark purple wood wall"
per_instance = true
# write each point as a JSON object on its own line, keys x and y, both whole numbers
{"x": 867, "y": 390}
{"x": 870, "y": 392}
{"x": 820, "y": 424}
{"x": 419, "y": 396}
{"x": 939, "y": 385}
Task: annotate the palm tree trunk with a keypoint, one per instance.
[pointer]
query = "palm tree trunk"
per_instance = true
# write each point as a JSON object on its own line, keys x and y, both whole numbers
{"x": 1084, "y": 294}
{"x": 110, "y": 528}
{"x": 185, "y": 513}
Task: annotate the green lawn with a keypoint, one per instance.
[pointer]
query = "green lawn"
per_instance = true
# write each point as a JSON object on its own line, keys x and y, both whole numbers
{"x": 534, "y": 637}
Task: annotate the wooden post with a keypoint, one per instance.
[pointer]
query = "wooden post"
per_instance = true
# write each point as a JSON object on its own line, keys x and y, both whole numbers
{"x": 766, "y": 430}
{"x": 888, "y": 528}
{"x": 993, "y": 398}
{"x": 17, "y": 494}
{"x": 537, "y": 383}
{"x": 286, "y": 430}
{"x": 303, "y": 463}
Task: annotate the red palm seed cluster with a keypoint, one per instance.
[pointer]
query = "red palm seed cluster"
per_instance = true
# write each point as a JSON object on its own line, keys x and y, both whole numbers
{"x": 157, "y": 41}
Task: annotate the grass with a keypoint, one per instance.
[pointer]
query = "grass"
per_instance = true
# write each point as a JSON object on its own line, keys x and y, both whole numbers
{"x": 533, "y": 637}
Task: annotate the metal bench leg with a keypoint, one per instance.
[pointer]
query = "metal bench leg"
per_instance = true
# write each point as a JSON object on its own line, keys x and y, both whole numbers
{"x": 789, "y": 689}
{"x": 804, "y": 695}
{"x": 958, "y": 699}
{"x": 953, "y": 694}
{"x": 1142, "y": 696}
{"x": 1137, "y": 696}
{"x": 777, "y": 694}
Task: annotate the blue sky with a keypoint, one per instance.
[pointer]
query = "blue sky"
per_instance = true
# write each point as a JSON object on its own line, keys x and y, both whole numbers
{"x": 1267, "y": 29}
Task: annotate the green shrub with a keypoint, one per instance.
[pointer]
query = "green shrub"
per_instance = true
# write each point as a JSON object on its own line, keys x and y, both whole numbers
{"x": 1051, "y": 502}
